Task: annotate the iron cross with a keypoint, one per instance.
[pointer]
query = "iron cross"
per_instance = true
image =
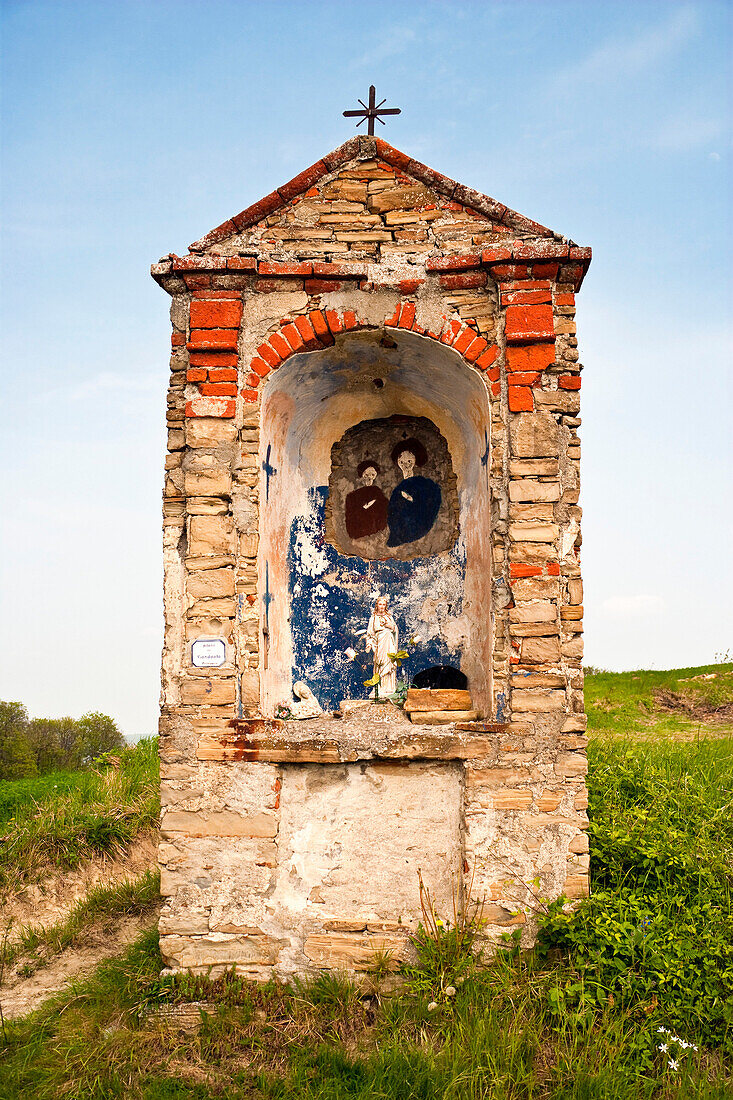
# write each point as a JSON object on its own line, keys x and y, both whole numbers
{"x": 374, "y": 110}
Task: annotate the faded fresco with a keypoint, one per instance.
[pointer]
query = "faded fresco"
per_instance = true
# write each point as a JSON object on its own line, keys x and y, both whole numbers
{"x": 335, "y": 610}
{"x": 392, "y": 490}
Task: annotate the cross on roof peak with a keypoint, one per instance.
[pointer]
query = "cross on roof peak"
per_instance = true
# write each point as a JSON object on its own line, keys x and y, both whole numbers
{"x": 374, "y": 110}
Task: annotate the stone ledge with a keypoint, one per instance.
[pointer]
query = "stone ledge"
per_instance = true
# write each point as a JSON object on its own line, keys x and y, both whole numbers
{"x": 336, "y": 741}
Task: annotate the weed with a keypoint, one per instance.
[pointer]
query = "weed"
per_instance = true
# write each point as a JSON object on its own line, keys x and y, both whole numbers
{"x": 381, "y": 966}
{"x": 446, "y": 951}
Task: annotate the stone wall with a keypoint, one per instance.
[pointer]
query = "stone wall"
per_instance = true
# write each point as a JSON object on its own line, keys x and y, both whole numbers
{"x": 368, "y": 240}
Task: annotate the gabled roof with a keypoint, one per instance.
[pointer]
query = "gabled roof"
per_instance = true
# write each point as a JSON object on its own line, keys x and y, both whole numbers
{"x": 363, "y": 148}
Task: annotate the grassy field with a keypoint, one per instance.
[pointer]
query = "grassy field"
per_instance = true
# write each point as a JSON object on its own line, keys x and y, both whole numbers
{"x": 645, "y": 703}
{"x": 55, "y": 821}
{"x": 627, "y": 998}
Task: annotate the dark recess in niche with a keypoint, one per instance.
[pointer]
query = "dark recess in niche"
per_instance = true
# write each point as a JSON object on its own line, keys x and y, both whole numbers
{"x": 441, "y": 676}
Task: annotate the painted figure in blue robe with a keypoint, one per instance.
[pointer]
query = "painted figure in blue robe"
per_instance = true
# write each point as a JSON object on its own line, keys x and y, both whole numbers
{"x": 415, "y": 501}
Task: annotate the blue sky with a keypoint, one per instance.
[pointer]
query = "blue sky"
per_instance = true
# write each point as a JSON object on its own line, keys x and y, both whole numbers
{"x": 130, "y": 129}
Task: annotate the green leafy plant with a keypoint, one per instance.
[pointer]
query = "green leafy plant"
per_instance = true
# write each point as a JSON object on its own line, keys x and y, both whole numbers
{"x": 656, "y": 936}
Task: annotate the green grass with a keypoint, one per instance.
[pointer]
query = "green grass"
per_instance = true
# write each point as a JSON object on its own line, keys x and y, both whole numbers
{"x": 575, "y": 1020}
{"x": 99, "y": 813}
{"x": 497, "y": 1040}
{"x": 100, "y": 906}
{"x": 626, "y": 703}
{"x": 20, "y": 794}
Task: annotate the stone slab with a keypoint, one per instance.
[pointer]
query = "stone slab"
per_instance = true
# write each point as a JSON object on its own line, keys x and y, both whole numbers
{"x": 432, "y": 699}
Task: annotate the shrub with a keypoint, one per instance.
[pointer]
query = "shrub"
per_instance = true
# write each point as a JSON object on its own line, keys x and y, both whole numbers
{"x": 656, "y": 936}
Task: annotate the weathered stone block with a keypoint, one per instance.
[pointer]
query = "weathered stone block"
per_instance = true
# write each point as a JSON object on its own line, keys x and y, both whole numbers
{"x": 344, "y": 951}
{"x": 215, "y": 483}
{"x": 534, "y": 435}
{"x": 209, "y": 432}
{"x": 210, "y": 583}
{"x": 533, "y": 630}
{"x": 576, "y": 886}
{"x": 534, "y": 467}
{"x": 548, "y": 801}
{"x": 540, "y": 651}
{"x": 579, "y": 843}
{"x": 539, "y": 700}
{"x": 539, "y": 611}
{"x": 230, "y": 950}
{"x": 512, "y": 800}
{"x": 250, "y": 688}
{"x": 535, "y": 588}
{"x": 211, "y": 535}
{"x": 571, "y": 764}
{"x": 498, "y": 777}
{"x": 534, "y": 532}
{"x": 208, "y": 691}
{"x": 563, "y": 401}
{"x": 218, "y": 824}
{"x": 527, "y": 490}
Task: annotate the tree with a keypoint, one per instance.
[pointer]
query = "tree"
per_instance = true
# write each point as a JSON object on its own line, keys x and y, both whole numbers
{"x": 97, "y": 733}
{"x": 17, "y": 759}
{"x": 53, "y": 741}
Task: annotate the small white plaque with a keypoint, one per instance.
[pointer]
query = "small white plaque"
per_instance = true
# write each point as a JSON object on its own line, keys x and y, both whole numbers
{"x": 208, "y": 652}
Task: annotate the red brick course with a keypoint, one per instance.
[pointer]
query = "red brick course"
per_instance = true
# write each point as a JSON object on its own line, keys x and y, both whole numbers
{"x": 202, "y": 338}
{"x": 213, "y": 359}
{"x": 530, "y": 357}
{"x": 216, "y": 314}
{"x": 225, "y": 375}
{"x": 525, "y": 323}
{"x": 218, "y": 389}
{"x": 520, "y": 399}
{"x": 463, "y": 282}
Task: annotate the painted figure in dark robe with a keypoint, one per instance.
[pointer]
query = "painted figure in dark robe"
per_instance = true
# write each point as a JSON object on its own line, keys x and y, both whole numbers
{"x": 415, "y": 501}
{"x": 366, "y": 507}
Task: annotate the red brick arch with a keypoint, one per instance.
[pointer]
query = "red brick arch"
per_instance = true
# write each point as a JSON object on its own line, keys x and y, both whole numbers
{"x": 318, "y": 328}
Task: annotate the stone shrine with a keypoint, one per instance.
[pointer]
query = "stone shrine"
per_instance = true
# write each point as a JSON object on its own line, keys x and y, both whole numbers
{"x": 372, "y": 480}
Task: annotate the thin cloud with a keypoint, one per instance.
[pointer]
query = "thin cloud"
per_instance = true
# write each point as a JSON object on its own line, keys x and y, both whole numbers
{"x": 623, "y": 58}
{"x": 392, "y": 44}
{"x": 680, "y": 134}
{"x": 116, "y": 383}
{"x": 641, "y": 606}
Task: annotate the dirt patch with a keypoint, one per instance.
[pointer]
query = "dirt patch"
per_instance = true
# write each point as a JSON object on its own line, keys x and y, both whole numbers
{"x": 20, "y": 995}
{"x": 50, "y": 901}
{"x": 699, "y": 710}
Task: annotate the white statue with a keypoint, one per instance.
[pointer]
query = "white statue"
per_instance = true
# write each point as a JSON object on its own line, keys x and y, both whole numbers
{"x": 381, "y": 640}
{"x": 308, "y": 706}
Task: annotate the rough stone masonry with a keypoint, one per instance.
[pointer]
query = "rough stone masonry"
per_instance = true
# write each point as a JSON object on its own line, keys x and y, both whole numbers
{"x": 371, "y": 292}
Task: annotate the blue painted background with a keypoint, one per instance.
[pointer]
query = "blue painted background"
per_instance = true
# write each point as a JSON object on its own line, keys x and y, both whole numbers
{"x": 332, "y": 597}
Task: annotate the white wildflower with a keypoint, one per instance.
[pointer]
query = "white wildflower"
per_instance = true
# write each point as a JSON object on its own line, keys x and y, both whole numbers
{"x": 661, "y": 1031}
{"x": 663, "y": 1048}
{"x": 450, "y": 991}
{"x": 673, "y": 1065}
{"x": 432, "y": 1006}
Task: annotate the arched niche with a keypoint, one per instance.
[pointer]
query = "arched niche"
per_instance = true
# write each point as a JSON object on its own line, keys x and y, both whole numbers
{"x": 316, "y": 601}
